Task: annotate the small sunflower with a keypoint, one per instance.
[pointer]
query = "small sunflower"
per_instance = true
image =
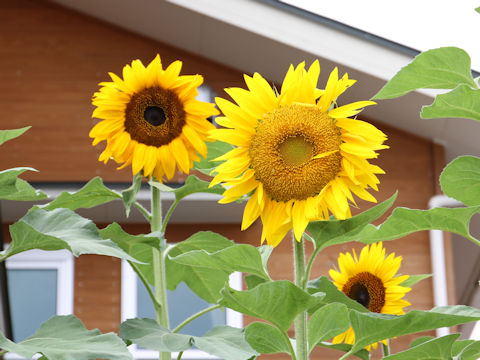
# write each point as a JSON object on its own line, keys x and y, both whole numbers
{"x": 370, "y": 280}
{"x": 297, "y": 154}
{"x": 151, "y": 119}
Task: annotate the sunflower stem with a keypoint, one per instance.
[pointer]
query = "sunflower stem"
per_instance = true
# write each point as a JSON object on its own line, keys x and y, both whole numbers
{"x": 301, "y": 320}
{"x": 159, "y": 269}
{"x": 386, "y": 348}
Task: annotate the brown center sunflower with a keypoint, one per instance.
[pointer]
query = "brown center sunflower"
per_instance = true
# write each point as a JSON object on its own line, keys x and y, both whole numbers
{"x": 154, "y": 116}
{"x": 367, "y": 289}
{"x": 283, "y": 149}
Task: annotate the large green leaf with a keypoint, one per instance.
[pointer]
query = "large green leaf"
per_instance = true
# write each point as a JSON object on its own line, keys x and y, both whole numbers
{"x": 6, "y": 135}
{"x": 327, "y": 322}
{"x": 442, "y": 68}
{"x": 332, "y": 294}
{"x": 66, "y": 338}
{"x": 215, "y": 149}
{"x": 471, "y": 352}
{"x": 459, "y": 345}
{"x": 405, "y": 221}
{"x": 278, "y": 302}
{"x": 226, "y": 342}
{"x": 13, "y": 188}
{"x": 239, "y": 257}
{"x": 461, "y": 102}
{"x": 59, "y": 229}
{"x": 138, "y": 246}
{"x": 94, "y": 193}
{"x": 222, "y": 341}
{"x": 373, "y": 327}
{"x": 435, "y": 349}
{"x": 203, "y": 281}
{"x": 149, "y": 334}
{"x": 266, "y": 339}
{"x": 328, "y": 233}
{"x": 461, "y": 180}
{"x": 192, "y": 185}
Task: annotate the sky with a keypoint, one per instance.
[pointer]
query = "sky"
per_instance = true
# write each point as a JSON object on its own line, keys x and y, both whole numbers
{"x": 419, "y": 24}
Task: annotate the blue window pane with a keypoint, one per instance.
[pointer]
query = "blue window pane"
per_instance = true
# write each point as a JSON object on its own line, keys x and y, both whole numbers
{"x": 33, "y": 299}
{"x": 182, "y": 304}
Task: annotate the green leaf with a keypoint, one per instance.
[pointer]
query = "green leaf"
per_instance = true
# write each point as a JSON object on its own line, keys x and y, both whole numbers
{"x": 442, "y": 68}
{"x": 459, "y": 345}
{"x": 239, "y": 257}
{"x": 94, "y": 193}
{"x": 266, "y": 339}
{"x": 223, "y": 341}
{"x": 327, "y": 322}
{"x": 478, "y": 9}
{"x": 252, "y": 280}
{"x": 13, "y": 188}
{"x": 193, "y": 185}
{"x": 461, "y": 180}
{"x": 413, "y": 279}
{"x": 436, "y": 349}
{"x": 328, "y": 233}
{"x": 202, "y": 281}
{"x": 59, "y": 229}
{"x": 372, "y": 327}
{"x": 6, "y": 135}
{"x": 138, "y": 246}
{"x": 421, "y": 340}
{"x": 361, "y": 354}
{"x": 461, "y": 102}
{"x": 471, "y": 352}
{"x": 129, "y": 195}
{"x": 215, "y": 149}
{"x": 66, "y": 338}
{"x": 405, "y": 221}
{"x": 278, "y": 302}
{"x": 332, "y": 294}
{"x": 149, "y": 334}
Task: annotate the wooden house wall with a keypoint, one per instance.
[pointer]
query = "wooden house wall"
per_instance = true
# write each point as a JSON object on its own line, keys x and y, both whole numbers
{"x": 51, "y": 60}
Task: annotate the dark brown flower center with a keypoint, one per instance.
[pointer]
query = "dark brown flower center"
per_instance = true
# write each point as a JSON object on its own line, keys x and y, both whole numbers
{"x": 367, "y": 289}
{"x": 154, "y": 116}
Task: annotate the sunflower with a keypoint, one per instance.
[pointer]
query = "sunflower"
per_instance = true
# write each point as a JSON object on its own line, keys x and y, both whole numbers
{"x": 297, "y": 154}
{"x": 151, "y": 119}
{"x": 370, "y": 280}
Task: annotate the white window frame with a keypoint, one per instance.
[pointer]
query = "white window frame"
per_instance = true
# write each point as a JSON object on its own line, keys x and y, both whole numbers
{"x": 61, "y": 261}
{"x": 129, "y": 310}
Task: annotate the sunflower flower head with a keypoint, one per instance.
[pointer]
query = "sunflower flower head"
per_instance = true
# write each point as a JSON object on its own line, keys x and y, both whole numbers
{"x": 370, "y": 280}
{"x": 299, "y": 155}
{"x": 151, "y": 119}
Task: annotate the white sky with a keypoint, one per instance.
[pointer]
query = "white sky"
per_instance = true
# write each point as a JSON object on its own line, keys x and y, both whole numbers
{"x": 419, "y": 24}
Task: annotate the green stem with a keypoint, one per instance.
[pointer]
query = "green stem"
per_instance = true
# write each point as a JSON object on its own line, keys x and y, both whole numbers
{"x": 159, "y": 270}
{"x": 135, "y": 268}
{"x": 386, "y": 348}
{"x": 301, "y": 320}
{"x": 168, "y": 214}
{"x": 179, "y": 355}
{"x": 144, "y": 211}
{"x": 287, "y": 339}
{"x": 3, "y": 352}
{"x": 193, "y": 317}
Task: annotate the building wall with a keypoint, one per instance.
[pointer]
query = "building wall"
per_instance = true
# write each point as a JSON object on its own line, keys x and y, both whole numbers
{"x": 51, "y": 61}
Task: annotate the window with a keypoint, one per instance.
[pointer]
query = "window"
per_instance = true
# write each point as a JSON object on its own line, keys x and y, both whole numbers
{"x": 136, "y": 303}
{"x": 40, "y": 285}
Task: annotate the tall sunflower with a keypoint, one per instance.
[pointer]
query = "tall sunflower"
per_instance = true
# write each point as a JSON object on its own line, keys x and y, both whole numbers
{"x": 151, "y": 119}
{"x": 299, "y": 155}
{"x": 370, "y": 280}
